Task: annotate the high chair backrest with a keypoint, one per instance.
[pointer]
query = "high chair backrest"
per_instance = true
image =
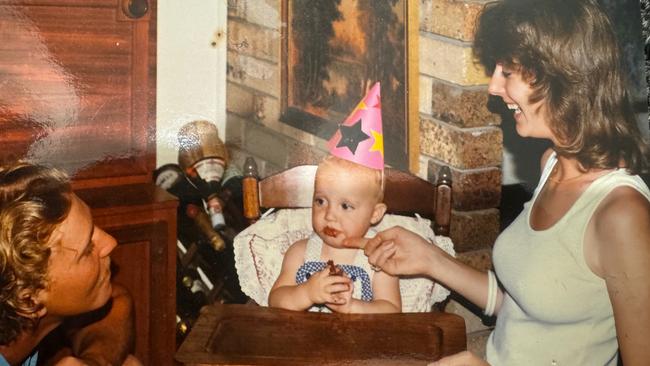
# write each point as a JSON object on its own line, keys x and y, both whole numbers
{"x": 404, "y": 193}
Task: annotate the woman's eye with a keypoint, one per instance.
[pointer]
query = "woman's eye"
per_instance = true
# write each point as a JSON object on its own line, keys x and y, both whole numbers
{"x": 319, "y": 201}
{"x": 346, "y": 206}
{"x": 505, "y": 73}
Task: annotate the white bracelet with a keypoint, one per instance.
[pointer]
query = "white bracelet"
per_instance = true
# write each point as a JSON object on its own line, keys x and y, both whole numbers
{"x": 492, "y": 294}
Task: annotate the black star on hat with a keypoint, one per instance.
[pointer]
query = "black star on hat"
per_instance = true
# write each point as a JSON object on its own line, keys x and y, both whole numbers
{"x": 351, "y": 136}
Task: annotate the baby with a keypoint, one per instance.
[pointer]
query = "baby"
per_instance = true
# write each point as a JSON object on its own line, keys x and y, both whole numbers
{"x": 347, "y": 202}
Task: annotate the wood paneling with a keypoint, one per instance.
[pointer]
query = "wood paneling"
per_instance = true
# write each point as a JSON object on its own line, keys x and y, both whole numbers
{"x": 78, "y": 91}
{"x": 75, "y": 90}
{"x": 142, "y": 218}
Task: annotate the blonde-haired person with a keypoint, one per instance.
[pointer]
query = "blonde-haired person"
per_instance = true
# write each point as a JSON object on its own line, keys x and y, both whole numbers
{"x": 54, "y": 269}
{"x": 347, "y": 202}
{"x": 573, "y": 268}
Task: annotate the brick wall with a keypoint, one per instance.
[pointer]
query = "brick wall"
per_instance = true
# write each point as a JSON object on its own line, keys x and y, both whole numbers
{"x": 456, "y": 129}
{"x": 253, "y": 92}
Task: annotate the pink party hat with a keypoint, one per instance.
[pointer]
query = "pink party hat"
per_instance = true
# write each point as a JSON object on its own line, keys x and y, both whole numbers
{"x": 360, "y": 138}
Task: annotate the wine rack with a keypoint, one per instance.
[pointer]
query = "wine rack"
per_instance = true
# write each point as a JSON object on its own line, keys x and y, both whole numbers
{"x": 205, "y": 268}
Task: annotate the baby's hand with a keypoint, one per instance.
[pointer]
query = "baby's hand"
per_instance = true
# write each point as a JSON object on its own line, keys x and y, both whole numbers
{"x": 324, "y": 288}
{"x": 344, "y": 299}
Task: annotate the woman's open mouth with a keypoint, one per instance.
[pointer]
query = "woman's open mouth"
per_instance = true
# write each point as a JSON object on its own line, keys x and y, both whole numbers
{"x": 515, "y": 108}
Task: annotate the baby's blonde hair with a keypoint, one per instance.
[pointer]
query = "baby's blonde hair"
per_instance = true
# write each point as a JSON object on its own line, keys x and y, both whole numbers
{"x": 374, "y": 176}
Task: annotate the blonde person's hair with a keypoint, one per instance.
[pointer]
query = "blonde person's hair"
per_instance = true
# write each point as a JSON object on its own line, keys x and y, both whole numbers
{"x": 34, "y": 200}
{"x": 374, "y": 176}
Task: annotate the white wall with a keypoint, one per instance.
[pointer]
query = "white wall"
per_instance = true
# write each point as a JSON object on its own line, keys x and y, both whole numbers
{"x": 191, "y": 69}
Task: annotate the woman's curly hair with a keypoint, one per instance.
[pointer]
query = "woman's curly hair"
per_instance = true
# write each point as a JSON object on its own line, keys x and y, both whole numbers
{"x": 34, "y": 200}
{"x": 568, "y": 52}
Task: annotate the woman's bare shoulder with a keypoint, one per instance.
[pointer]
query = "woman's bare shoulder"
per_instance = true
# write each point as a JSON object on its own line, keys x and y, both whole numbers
{"x": 624, "y": 205}
{"x": 545, "y": 156}
{"x": 622, "y": 223}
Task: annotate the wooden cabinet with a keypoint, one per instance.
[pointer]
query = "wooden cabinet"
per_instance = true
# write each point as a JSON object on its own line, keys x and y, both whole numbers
{"x": 78, "y": 90}
{"x": 142, "y": 218}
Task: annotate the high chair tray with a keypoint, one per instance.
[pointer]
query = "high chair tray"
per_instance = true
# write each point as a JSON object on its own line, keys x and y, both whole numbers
{"x": 254, "y": 335}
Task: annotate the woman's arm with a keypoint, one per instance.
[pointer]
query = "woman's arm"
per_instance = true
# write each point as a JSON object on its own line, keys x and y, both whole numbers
{"x": 465, "y": 280}
{"x": 398, "y": 251}
{"x": 622, "y": 242}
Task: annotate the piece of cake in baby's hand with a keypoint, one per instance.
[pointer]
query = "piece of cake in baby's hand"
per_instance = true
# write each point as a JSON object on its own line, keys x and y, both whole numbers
{"x": 334, "y": 269}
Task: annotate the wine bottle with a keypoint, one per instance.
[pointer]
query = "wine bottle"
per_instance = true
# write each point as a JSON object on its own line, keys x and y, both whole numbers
{"x": 183, "y": 327}
{"x": 204, "y": 224}
{"x": 194, "y": 282}
{"x": 171, "y": 178}
{"x": 188, "y": 303}
{"x": 203, "y": 157}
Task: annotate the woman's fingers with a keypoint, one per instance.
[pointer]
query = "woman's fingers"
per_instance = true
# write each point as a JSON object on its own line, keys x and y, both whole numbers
{"x": 381, "y": 253}
{"x": 369, "y": 245}
{"x": 359, "y": 243}
{"x": 383, "y": 256}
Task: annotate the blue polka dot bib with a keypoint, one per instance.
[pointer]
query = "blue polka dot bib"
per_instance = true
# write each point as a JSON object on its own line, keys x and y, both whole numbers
{"x": 359, "y": 271}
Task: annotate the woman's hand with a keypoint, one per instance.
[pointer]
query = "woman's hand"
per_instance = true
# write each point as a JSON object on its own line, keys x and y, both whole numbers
{"x": 464, "y": 358}
{"x": 398, "y": 251}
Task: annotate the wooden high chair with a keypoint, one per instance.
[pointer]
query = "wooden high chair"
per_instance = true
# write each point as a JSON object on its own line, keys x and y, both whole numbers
{"x": 404, "y": 193}
{"x": 258, "y": 335}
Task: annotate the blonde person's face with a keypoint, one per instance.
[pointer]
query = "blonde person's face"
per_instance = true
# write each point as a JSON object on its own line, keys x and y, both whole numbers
{"x": 514, "y": 90}
{"x": 343, "y": 206}
{"x": 79, "y": 268}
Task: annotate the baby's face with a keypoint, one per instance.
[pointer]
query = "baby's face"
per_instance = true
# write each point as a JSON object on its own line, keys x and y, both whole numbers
{"x": 344, "y": 205}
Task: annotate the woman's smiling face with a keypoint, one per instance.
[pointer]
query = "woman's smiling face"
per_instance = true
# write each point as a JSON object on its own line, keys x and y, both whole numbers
{"x": 530, "y": 118}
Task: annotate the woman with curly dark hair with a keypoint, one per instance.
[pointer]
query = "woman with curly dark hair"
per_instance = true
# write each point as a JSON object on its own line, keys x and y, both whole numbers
{"x": 54, "y": 266}
{"x": 573, "y": 268}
